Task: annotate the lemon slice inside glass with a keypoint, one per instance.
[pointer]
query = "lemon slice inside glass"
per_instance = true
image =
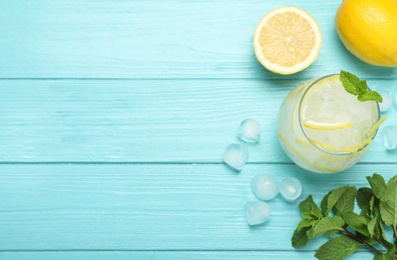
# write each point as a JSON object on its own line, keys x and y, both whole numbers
{"x": 327, "y": 126}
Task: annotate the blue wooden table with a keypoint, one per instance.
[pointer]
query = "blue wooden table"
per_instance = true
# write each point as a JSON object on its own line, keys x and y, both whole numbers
{"x": 114, "y": 116}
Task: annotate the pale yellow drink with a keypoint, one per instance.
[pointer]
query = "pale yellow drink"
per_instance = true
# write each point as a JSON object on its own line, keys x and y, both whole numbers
{"x": 323, "y": 128}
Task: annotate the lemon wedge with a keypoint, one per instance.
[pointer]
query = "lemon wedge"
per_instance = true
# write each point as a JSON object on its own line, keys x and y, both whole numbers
{"x": 287, "y": 40}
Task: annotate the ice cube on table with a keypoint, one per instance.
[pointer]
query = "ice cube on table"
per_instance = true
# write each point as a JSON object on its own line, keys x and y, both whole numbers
{"x": 389, "y": 137}
{"x": 264, "y": 186}
{"x": 249, "y": 130}
{"x": 235, "y": 155}
{"x": 386, "y": 102}
{"x": 290, "y": 188}
{"x": 256, "y": 212}
{"x": 394, "y": 96}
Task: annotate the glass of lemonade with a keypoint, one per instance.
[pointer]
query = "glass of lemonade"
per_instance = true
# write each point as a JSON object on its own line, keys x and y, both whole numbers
{"x": 323, "y": 128}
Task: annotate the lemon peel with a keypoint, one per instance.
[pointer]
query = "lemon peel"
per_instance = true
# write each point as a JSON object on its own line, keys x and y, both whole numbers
{"x": 348, "y": 149}
{"x": 327, "y": 126}
{"x": 352, "y": 148}
{"x": 316, "y": 165}
{"x": 367, "y": 28}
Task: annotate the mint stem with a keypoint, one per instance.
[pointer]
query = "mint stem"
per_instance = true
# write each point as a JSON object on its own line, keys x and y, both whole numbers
{"x": 380, "y": 242}
{"x": 394, "y": 233}
{"x": 353, "y": 236}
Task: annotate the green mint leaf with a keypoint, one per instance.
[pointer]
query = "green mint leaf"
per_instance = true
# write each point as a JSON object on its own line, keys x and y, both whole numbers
{"x": 364, "y": 196}
{"x": 351, "y": 83}
{"x": 331, "y": 233}
{"x": 309, "y": 209}
{"x": 355, "y": 86}
{"x": 329, "y": 225}
{"x": 300, "y": 238}
{"x": 377, "y": 183}
{"x": 340, "y": 200}
{"x": 357, "y": 222}
{"x": 371, "y": 226}
{"x": 365, "y": 200}
{"x": 379, "y": 231}
{"x": 332, "y": 198}
{"x": 324, "y": 205}
{"x": 306, "y": 223}
{"x": 337, "y": 248}
{"x": 388, "y": 204}
{"x": 346, "y": 201}
{"x": 362, "y": 86}
{"x": 370, "y": 95}
{"x": 390, "y": 255}
{"x": 371, "y": 208}
{"x": 378, "y": 206}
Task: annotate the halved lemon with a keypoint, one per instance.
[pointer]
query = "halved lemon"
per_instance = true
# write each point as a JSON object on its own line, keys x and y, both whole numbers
{"x": 287, "y": 40}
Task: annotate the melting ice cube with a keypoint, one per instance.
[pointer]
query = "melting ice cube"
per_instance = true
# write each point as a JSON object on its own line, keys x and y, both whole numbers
{"x": 386, "y": 103}
{"x": 264, "y": 186}
{"x": 290, "y": 188}
{"x": 389, "y": 137}
{"x": 249, "y": 130}
{"x": 235, "y": 156}
{"x": 256, "y": 212}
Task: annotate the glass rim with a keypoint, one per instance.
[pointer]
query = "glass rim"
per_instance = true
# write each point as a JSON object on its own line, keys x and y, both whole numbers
{"x": 310, "y": 86}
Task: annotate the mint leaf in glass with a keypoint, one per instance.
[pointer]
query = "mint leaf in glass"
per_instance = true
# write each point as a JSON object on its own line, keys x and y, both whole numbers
{"x": 355, "y": 86}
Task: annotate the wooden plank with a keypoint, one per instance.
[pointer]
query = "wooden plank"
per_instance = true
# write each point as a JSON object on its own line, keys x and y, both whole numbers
{"x": 144, "y": 120}
{"x": 232, "y": 255}
{"x": 153, "y": 39}
{"x": 152, "y": 207}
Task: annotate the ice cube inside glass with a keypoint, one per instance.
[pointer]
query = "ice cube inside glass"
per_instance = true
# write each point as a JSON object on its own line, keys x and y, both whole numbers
{"x": 325, "y": 129}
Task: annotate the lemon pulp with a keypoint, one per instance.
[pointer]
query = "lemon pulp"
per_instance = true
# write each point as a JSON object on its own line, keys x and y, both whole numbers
{"x": 287, "y": 40}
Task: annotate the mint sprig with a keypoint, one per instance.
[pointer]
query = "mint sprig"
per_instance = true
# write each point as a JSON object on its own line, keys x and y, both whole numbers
{"x": 349, "y": 231}
{"x": 355, "y": 86}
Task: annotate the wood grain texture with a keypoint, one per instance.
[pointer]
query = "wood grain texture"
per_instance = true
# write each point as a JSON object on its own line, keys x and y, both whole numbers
{"x": 153, "y": 39}
{"x": 152, "y": 207}
{"x": 114, "y": 115}
{"x": 153, "y": 255}
{"x": 144, "y": 120}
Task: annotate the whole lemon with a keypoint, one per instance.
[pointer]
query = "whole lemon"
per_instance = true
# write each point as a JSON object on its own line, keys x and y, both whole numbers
{"x": 368, "y": 29}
